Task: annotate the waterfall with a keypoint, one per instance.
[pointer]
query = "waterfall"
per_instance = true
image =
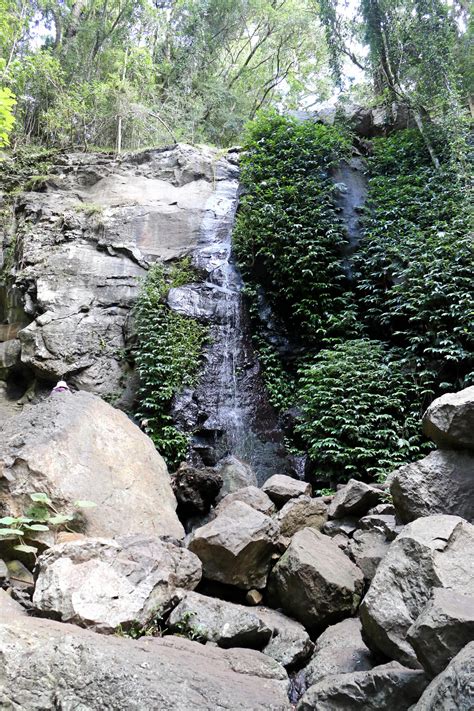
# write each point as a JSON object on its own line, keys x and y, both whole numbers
{"x": 228, "y": 411}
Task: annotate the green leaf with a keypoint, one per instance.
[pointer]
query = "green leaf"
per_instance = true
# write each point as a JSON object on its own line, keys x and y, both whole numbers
{"x": 59, "y": 519}
{"x": 84, "y": 504}
{"x": 37, "y": 527}
{"x": 25, "y": 549}
{"x": 41, "y": 498}
{"x": 10, "y": 532}
{"x": 8, "y": 520}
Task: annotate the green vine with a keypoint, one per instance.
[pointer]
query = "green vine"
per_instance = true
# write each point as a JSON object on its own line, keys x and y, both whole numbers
{"x": 167, "y": 357}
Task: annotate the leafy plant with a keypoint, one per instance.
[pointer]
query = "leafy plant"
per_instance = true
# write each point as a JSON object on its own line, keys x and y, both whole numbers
{"x": 41, "y": 516}
{"x": 358, "y": 407}
{"x": 185, "y": 628}
{"x": 167, "y": 357}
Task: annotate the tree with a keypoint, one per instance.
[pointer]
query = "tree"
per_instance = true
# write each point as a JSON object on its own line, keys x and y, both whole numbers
{"x": 7, "y": 102}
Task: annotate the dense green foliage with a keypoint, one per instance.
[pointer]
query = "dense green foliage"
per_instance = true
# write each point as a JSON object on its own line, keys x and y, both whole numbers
{"x": 358, "y": 415}
{"x": 371, "y": 352}
{"x": 134, "y": 73}
{"x": 167, "y": 357}
{"x": 415, "y": 263}
{"x": 288, "y": 236}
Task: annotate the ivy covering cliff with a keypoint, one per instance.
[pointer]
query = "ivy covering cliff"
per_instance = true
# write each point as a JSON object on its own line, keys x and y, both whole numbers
{"x": 370, "y": 351}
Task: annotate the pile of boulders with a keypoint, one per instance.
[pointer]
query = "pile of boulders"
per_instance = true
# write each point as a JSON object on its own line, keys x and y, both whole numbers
{"x": 359, "y": 600}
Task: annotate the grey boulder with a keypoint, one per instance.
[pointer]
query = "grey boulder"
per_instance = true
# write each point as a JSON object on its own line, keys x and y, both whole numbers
{"x": 443, "y": 628}
{"x": 354, "y": 499}
{"x": 215, "y": 620}
{"x": 281, "y": 488}
{"x": 75, "y": 447}
{"x": 290, "y": 643}
{"x": 431, "y": 552}
{"x": 442, "y": 482}
{"x": 453, "y": 689}
{"x": 252, "y": 496}
{"x": 105, "y": 584}
{"x": 314, "y": 581}
{"x": 367, "y": 548}
{"x": 302, "y": 512}
{"x": 235, "y": 475}
{"x": 48, "y": 665}
{"x": 236, "y": 547}
{"x": 339, "y": 650}
{"x": 390, "y": 687}
{"x": 449, "y": 420}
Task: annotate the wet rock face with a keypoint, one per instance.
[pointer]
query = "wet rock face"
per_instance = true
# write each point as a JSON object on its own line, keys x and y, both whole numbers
{"x": 105, "y": 584}
{"x": 49, "y": 664}
{"x": 75, "y": 447}
{"x": 85, "y": 244}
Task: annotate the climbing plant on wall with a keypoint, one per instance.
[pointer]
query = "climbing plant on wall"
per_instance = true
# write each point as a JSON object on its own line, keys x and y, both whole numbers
{"x": 167, "y": 357}
{"x": 370, "y": 353}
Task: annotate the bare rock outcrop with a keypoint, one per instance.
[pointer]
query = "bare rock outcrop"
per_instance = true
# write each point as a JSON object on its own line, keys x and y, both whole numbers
{"x": 449, "y": 420}
{"x": 76, "y": 446}
{"x": 314, "y": 581}
{"x": 113, "y": 584}
{"x": 384, "y": 688}
{"x": 431, "y": 552}
{"x": 442, "y": 482}
{"x": 236, "y": 547}
{"x": 443, "y": 628}
{"x": 48, "y": 664}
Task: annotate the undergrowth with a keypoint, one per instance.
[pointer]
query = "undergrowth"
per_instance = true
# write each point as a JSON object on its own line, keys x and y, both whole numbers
{"x": 167, "y": 357}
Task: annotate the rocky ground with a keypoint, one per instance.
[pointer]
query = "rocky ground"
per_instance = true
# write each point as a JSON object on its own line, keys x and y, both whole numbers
{"x": 273, "y": 599}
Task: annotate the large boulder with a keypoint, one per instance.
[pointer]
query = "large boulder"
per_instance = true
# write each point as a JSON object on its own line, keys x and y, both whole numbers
{"x": 367, "y": 548}
{"x": 75, "y": 447}
{"x": 431, "y": 552}
{"x": 281, "y": 488}
{"x": 302, "y": 512}
{"x": 196, "y": 489}
{"x": 237, "y": 546}
{"x": 105, "y": 584}
{"x": 250, "y": 495}
{"x": 290, "y": 643}
{"x": 215, "y": 620}
{"x": 388, "y": 687}
{"x": 354, "y": 499}
{"x": 314, "y": 581}
{"x": 453, "y": 689}
{"x": 444, "y": 627}
{"x": 339, "y": 650}
{"x": 48, "y": 665}
{"x": 235, "y": 475}
{"x": 442, "y": 482}
{"x": 449, "y": 420}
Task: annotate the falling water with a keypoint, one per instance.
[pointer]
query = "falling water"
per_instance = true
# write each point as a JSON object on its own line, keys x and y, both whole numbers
{"x": 228, "y": 411}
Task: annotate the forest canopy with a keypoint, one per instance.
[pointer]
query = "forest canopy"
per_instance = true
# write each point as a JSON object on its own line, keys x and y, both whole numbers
{"x": 135, "y": 73}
